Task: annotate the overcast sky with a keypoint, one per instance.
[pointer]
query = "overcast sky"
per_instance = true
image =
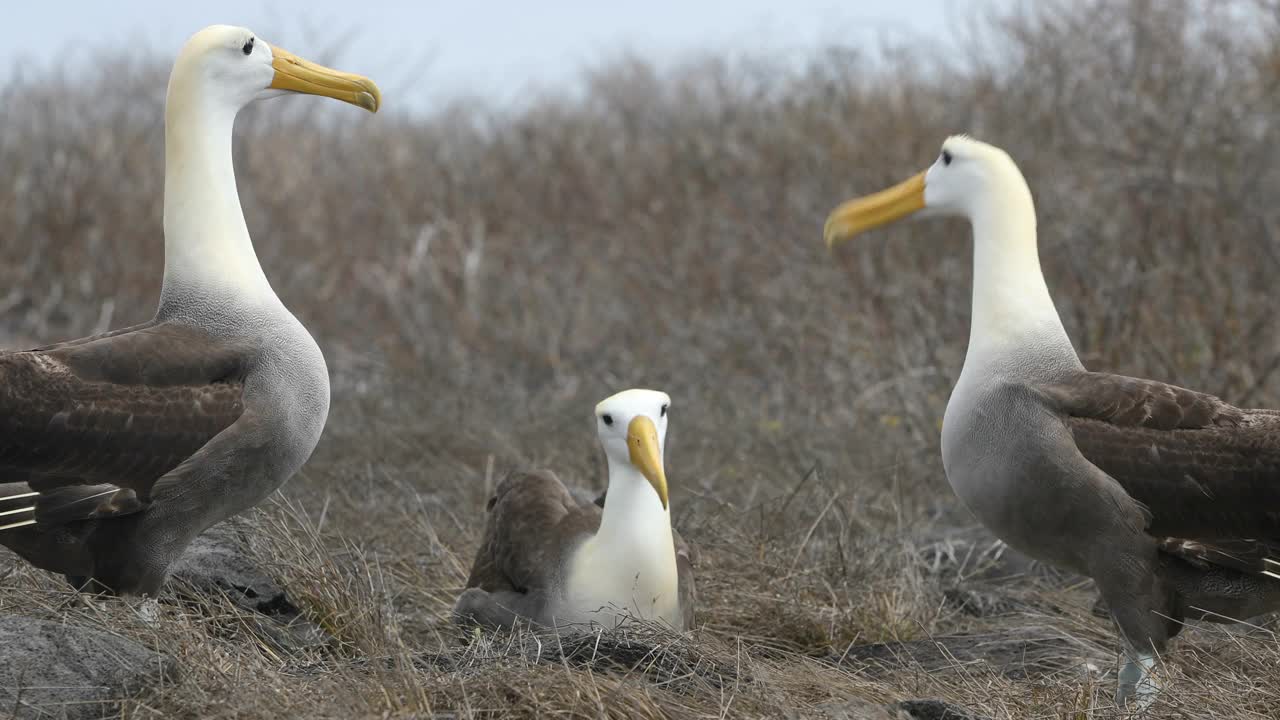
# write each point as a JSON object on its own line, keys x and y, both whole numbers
{"x": 493, "y": 48}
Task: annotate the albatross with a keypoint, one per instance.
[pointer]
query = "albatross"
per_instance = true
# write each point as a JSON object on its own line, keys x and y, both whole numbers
{"x": 1167, "y": 497}
{"x": 117, "y": 450}
{"x": 560, "y": 561}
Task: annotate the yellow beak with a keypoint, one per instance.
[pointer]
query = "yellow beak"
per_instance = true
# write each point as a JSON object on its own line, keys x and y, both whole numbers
{"x": 303, "y": 76}
{"x": 642, "y": 442}
{"x": 870, "y": 212}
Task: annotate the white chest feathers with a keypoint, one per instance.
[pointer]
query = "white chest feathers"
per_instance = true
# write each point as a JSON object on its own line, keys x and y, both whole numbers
{"x": 609, "y": 580}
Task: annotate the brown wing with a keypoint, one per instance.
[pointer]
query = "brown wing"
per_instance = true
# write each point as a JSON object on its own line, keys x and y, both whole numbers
{"x": 225, "y": 476}
{"x": 1134, "y": 402}
{"x": 686, "y": 560}
{"x": 114, "y": 412}
{"x": 1205, "y": 469}
{"x": 532, "y": 519}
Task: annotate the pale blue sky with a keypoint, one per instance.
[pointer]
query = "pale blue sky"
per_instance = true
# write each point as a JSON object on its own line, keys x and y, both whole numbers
{"x": 495, "y": 49}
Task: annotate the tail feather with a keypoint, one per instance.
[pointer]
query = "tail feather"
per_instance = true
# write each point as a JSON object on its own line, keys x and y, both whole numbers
{"x": 17, "y": 506}
{"x": 18, "y": 524}
{"x": 18, "y": 496}
{"x": 1255, "y": 557}
{"x": 70, "y": 503}
{"x": 67, "y": 504}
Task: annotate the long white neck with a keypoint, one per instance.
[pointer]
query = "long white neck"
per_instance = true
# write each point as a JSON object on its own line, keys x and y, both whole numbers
{"x": 207, "y": 250}
{"x": 633, "y": 512}
{"x": 1013, "y": 313}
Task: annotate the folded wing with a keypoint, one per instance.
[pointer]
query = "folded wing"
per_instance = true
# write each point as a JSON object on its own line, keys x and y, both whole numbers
{"x": 87, "y": 427}
{"x": 1208, "y": 472}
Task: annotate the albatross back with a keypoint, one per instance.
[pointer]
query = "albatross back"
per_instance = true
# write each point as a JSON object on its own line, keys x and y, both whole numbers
{"x": 88, "y": 427}
{"x": 123, "y": 408}
{"x": 1203, "y": 469}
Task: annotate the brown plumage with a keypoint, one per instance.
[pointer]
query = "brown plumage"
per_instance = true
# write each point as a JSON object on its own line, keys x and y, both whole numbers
{"x": 116, "y": 449}
{"x": 1204, "y": 470}
{"x": 1134, "y": 402}
{"x": 92, "y": 424}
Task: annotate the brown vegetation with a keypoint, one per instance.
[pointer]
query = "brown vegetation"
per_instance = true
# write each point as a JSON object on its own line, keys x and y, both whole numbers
{"x": 479, "y": 280}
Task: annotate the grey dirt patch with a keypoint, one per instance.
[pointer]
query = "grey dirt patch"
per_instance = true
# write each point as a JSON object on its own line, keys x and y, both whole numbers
{"x": 51, "y": 670}
{"x": 1015, "y": 652}
{"x": 934, "y": 710}
{"x": 220, "y": 562}
{"x": 902, "y": 710}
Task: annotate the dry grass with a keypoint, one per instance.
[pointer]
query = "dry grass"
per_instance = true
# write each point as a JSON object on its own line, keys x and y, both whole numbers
{"x": 479, "y": 280}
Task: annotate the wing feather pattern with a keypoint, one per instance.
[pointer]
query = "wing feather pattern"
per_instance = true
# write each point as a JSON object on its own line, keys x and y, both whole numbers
{"x": 90, "y": 425}
{"x": 532, "y": 519}
{"x": 1208, "y": 472}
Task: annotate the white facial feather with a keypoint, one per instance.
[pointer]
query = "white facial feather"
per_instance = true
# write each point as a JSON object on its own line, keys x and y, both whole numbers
{"x": 615, "y": 413}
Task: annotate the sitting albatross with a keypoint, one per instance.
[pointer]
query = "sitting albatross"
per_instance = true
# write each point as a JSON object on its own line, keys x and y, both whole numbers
{"x": 561, "y": 562}
{"x": 116, "y": 450}
{"x": 1168, "y": 498}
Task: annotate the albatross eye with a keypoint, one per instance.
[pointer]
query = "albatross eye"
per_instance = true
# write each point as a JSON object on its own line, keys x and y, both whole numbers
{"x": 946, "y": 158}
{"x": 248, "y": 47}
{"x": 663, "y": 412}
{"x": 607, "y": 418}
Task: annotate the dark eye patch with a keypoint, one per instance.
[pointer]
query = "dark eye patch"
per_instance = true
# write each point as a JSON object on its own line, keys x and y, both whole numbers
{"x": 248, "y": 47}
{"x": 607, "y": 418}
{"x": 946, "y": 158}
{"x": 664, "y": 411}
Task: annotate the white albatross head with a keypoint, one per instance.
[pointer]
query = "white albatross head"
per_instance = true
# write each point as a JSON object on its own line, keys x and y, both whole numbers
{"x": 1013, "y": 321}
{"x": 963, "y": 182}
{"x": 233, "y": 66}
{"x": 632, "y": 426}
{"x": 208, "y": 253}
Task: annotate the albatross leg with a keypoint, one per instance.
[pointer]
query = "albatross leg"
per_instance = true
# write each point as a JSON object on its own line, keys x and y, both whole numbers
{"x": 1144, "y": 609}
{"x": 1137, "y": 688}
